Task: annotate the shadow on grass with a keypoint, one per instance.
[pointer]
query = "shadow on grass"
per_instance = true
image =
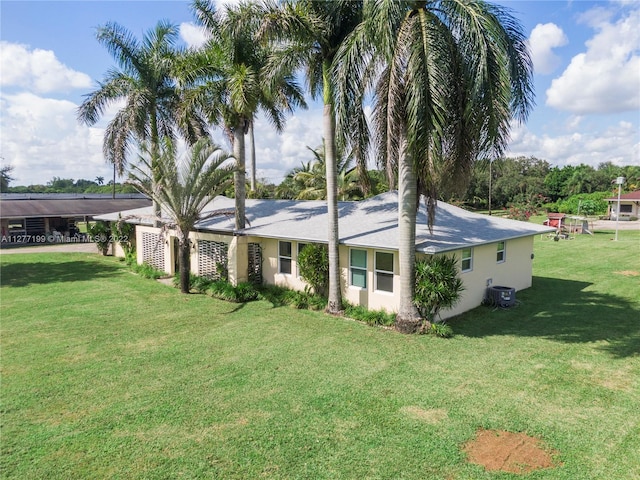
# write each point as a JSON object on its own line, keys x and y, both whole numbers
{"x": 563, "y": 311}
{"x": 24, "y": 274}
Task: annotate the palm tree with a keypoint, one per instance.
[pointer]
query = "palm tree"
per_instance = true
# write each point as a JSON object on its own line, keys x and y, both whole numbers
{"x": 154, "y": 105}
{"x": 100, "y": 180}
{"x": 309, "y": 33}
{"x": 183, "y": 188}
{"x": 447, "y": 76}
{"x": 227, "y": 75}
{"x": 314, "y": 182}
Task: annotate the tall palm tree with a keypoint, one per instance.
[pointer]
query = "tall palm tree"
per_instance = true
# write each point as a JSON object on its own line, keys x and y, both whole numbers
{"x": 447, "y": 78}
{"x": 154, "y": 108}
{"x": 308, "y": 34}
{"x": 230, "y": 88}
{"x": 183, "y": 188}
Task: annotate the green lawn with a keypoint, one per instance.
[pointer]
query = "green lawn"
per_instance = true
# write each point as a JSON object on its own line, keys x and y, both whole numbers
{"x": 109, "y": 375}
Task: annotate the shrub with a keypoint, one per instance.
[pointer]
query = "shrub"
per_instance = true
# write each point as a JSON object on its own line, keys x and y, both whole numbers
{"x": 440, "y": 329}
{"x": 125, "y": 232}
{"x": 305, "y": 300}
{"x": 223, "y": 290}
{"x": 588, "y": 203}
{"x": 370, "y": 317}
{"x": 246, "y": 292}
{"x": 101, "y": 234}
{"x": 438, "y": 285}
{"x": 313, "y": 262}
{"x": 196, "y": 283}
{"x": 130, "y": 257}
{"x": 147, "y": 271}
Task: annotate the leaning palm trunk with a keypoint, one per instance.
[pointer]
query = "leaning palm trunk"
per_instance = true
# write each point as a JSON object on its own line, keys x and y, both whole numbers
{"x": 408, "y": 319}
{"x": 239, "y": 175}
{"x": 252, "y": 153}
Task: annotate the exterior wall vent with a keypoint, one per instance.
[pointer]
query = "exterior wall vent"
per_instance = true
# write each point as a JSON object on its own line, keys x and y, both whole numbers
{"x": 503, "y": 297}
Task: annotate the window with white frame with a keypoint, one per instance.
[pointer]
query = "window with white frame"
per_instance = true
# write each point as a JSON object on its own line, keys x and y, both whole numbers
{"x": 284, "y": 257}
{"x": 384, "y": 271}
{"x": 358, "y": 268}
{"x": 300, "y": 247}
{"x": 501, "y": 254}
{"x": 466, "y": 264}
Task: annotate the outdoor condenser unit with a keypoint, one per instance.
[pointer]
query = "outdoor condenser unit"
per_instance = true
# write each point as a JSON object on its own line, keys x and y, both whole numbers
{"x": 504, "y": 297}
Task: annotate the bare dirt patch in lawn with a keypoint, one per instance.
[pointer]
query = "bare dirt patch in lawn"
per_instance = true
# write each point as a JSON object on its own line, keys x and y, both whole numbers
{"x": 508, "y": 452}
{"x": 628, "y": 273}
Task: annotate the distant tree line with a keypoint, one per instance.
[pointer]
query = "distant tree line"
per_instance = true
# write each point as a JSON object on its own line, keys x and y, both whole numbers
{"x": 521, "y": 181}
{"x": 69, "y": 185}
{"x": 530, "y": 181}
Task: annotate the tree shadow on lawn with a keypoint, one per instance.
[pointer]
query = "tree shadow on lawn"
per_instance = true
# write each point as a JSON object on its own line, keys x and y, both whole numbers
{"x": 563, "y": 311}
{"x": 24, "y": 274}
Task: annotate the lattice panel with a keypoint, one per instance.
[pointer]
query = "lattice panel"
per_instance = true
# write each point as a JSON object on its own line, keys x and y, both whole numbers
{"x": 153, "y": 250}
{"x": 213, "y": 259}
{"x": 255, "y": 263}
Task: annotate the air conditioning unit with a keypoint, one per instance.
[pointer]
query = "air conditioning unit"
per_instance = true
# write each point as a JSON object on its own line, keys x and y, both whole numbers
{"x": 503, "y": 297}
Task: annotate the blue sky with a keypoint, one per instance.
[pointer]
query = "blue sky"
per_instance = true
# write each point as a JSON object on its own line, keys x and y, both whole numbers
{"x": 586, "y": 57}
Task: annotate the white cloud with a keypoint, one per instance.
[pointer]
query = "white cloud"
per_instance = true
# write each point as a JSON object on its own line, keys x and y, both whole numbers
{"x": 618, "y": 143}
{"x": 543, "y": 39}
{"x": 230, "y": 3}
{"x": 42, "y": 139}
{"x": 37, "y": 70}
{"x": 277, "y": 154}
{"x": 605, "y": 78}
{"x": 193, "y": 35}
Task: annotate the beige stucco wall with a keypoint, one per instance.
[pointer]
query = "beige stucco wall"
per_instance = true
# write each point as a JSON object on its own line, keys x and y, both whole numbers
{"x": 270, "y": 272}
{"x": 212, "y": 237}
{"x": 514, "y": 272}
{"x": 370, "y": 297}
{"x": 167, "y": 251}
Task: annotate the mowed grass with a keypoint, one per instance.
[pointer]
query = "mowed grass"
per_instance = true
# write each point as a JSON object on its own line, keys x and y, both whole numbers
{"x": 109, "y": 375}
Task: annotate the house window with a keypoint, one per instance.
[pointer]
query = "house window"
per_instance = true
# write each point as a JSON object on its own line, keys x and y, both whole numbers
{"x": 358, "y": 268}
{"x": 300, "y": 247}
{"x": 16, "y": 225}
{"x": 501, "y": 253}
{"x": 384, "y": 271}
{"x": 626, "y": 208}
{"x": 284, "y": 257}
{"x": 467, "y": 259}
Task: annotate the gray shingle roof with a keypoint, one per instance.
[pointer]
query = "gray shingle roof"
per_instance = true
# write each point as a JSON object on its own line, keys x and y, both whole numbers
{"x": 371, "y": 223}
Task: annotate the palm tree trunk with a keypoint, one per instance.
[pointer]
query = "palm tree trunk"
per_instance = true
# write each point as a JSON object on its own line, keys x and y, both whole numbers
{"x": 252, "y": 147}
{"x": 239, "y": 175}
{"x": 408, "y": 319}
{"x": 334, "y": 305}
{"x": 155, "y": 154}
{"x": 184, "y": 262}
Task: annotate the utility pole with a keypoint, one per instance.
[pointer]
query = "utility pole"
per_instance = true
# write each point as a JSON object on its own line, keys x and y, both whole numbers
{"x": 619, "y": 181}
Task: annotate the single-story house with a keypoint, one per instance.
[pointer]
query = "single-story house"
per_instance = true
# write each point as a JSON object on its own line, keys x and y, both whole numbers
{"x": 491, "y": 250}
{"x": 29, "y": 216}
{"x": 629, "y": 206}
